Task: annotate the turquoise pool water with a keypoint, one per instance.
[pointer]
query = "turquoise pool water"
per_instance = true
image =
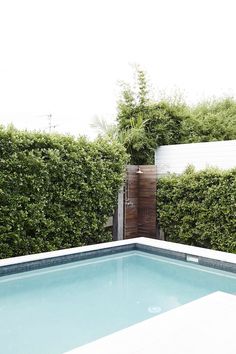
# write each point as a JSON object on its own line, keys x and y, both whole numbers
{"x": 56, "y": 309}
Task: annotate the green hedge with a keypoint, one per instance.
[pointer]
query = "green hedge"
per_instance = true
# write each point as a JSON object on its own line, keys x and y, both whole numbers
{"x": 199, "y": 208}
{"x": 55, "y": 191}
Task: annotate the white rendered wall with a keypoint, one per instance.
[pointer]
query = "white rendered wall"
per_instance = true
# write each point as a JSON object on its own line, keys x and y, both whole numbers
{"x": 175, "y": 158}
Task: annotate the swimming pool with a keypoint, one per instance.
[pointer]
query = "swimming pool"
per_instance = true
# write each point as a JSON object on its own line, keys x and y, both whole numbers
{"x": 58, "y": 308}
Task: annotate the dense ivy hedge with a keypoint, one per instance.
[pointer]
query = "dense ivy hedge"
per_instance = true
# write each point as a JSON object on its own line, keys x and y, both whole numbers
{"x": 199, "y": 208}
{"x": 55, "y": 191}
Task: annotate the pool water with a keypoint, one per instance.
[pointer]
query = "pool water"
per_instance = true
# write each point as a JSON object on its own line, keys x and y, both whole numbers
{"x": 55, "y": 309}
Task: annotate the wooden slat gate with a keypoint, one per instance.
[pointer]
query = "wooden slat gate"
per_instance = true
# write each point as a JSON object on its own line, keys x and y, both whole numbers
{"x": 140, "y": 202}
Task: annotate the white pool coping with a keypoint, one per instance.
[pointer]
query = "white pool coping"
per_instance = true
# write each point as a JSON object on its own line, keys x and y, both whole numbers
{"x": 206, "y": 325}
{"x": 170, "y": 246}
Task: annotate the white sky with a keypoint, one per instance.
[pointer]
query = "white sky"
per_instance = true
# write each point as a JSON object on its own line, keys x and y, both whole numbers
{"x": 65, "y": 57}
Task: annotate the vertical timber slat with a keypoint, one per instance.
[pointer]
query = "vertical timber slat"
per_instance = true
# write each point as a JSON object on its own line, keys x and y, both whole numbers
{"x": 147, "y": 202}
{"x": 140, "y": 202}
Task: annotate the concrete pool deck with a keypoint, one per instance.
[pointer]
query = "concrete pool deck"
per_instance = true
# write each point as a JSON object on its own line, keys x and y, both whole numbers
{"x": 205, "y": 326}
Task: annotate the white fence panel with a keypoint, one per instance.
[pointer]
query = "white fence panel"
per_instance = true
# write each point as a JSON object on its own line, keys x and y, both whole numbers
{"x": 175, "y": 158}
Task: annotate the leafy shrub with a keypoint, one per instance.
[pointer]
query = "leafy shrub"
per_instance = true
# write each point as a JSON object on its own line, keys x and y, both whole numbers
{"x": 199, "y": 208}
{"x": 213, "y": 120}
{"x": 147, "y": 124}
{"x": 55, "y": 191}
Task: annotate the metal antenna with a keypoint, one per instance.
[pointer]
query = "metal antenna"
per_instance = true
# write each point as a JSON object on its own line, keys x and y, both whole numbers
{"x": 50, "y": 122}
{"x": 50, "y": 125}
